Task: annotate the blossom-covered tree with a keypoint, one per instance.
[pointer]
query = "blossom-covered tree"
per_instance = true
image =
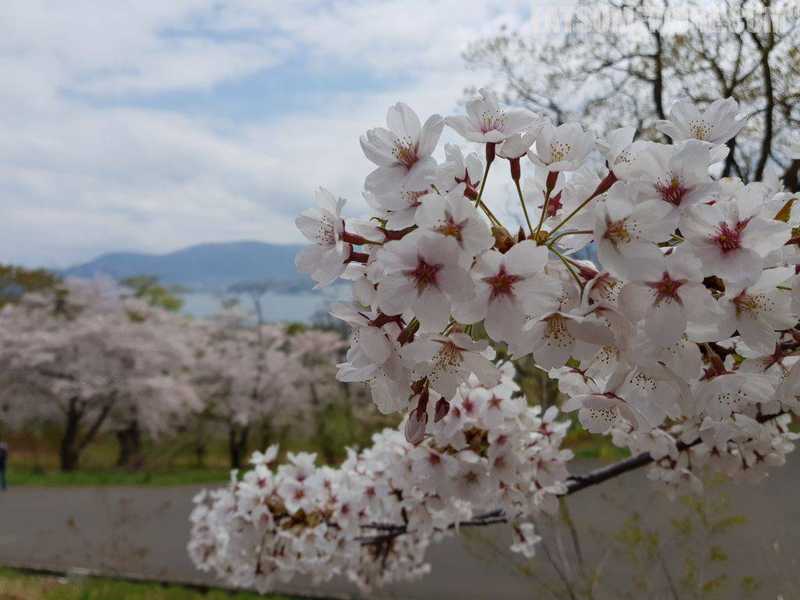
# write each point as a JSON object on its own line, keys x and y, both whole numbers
{"x": 680, "y": 345}
{"x": 248, "y": 374}
{"x": 93, "y": 359}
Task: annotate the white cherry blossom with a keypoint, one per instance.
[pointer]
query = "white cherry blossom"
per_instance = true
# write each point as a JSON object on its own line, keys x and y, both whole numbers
{"x": 459, "y": 169}
{"x": 625, "y": 231}
{"x": 326, "y": 259}
{"x": 447, "y": 361}
{"x": 562, "y": 148}
{"x": 759, "y": 311}
{"x": 423, "y": 273}
{"x": 456, "y": 217}
{"x": 402, "y": 152}
{"x": 670, "y": 300}
{"x": 717, "y": 124}
{"x": 508, "y": 288}
{"x": 731, "y": 241}
{"x": 677, "y": 175}
{"x": 488, "y": 122}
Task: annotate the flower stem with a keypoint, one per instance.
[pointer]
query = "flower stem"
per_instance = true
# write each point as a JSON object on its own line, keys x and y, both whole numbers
{"x": 568, "y": 263}
{"x": 524, "y": 208}
{"x": 602, "y": 188}
{"x": 478, "y": 200}
{"x": 553, "y": 240}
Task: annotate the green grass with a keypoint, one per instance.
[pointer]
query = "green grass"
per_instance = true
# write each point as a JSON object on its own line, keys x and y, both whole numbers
{"x": 33, "y": 458}
{"x": 18, "y": 586}
{"x": 172, "y": 461}
{"x": 23, "y": 476}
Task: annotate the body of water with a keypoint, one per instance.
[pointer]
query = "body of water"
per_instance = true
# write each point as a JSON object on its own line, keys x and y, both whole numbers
{"x": 277, "y": 306}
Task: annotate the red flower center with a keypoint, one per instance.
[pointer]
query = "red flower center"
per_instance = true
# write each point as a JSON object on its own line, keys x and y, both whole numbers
{"x": 424, "y": 275}
{"x": 667, "y": 288}
{"x": 450, "y": 227}
{"x": 672, "y": 192}
{"x": 727, "y": 238}
{"x": 554, "y": 205}
{"x": 404, "y": 151}
{"x": 502, "y": 283}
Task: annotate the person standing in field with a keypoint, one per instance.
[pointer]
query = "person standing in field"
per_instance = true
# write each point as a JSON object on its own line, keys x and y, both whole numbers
{"x": 3, "y": 461}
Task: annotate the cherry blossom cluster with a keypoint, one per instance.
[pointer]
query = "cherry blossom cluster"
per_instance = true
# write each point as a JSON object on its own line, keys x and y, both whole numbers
{"x": 490, "y": 459}
{"x": 679, "y": 340}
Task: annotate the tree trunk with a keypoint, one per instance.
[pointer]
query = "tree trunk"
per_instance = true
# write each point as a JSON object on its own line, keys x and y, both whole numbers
{"x": 266, "y": 433}
{"x": 69, "y": 452}
{"x": 130, "y": 446}
{"x": 200, "y": 451}
{"x": 791, "y": 177}
{"x": 237, "y": 445}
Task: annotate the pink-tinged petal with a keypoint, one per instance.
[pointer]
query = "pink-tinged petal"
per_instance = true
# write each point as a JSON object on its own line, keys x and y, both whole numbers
{"x": 539, "y": 295}
{"x": 395, "y": 295}
{"x": 385, "y": 180}
{"x": 757, "y": 333}
{"x": 417, "y": 178}
{"x": 591, "y": 331}
{"x": 403, "y": 122}
{"x": 598, "y": 415}
{"x": 635, "y": 300}
{"x": 700, "y": 222}
{"x": 375, "y": 344}
{"x": 429, "y": 137}
{"x": 457, "y": 283}
{"x": 473, "y": 310}
{"x": 657, "y": 220}
{"x": 517, "y": 120}
{"x": 638, "y": 261}
{"x": 742, "y": 266}
{"x": 526, "y": 257}
{"x": 464, "y": 128}
{"x": 484, "y": 370}
{"x": 432, "y": 309}
{"x": 665, "y": 323}
{"x": 378, "y": 145}
{"x": 554, "y": 346}
{"x": 504, "y": 320}
{"x": 699, "y": 302}
{"x": 764, "y": 236}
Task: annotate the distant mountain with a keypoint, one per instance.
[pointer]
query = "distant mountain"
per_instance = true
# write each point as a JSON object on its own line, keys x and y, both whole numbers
{"x": 205, "y": 266}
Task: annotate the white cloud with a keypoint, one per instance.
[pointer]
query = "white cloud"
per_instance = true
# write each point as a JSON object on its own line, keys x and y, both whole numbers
{"x": 85, "y": 168}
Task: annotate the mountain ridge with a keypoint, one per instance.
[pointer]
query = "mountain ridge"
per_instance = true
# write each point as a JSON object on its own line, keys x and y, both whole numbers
{"x": 212, "y": 265}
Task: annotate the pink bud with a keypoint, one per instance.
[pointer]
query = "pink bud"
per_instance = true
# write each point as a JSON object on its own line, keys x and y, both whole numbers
{"x": 415, "y": 426}
{"x": 442, "y": 408}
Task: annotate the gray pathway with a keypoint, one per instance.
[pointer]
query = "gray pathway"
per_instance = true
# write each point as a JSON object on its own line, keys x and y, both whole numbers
{"x": 743, "y": 539}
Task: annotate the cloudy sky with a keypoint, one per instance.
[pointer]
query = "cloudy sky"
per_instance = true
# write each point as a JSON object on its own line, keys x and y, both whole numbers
{"x": 151, "y": 125}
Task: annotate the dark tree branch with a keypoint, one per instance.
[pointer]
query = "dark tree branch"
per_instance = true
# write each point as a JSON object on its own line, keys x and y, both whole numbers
{"x": 765, "y": 48}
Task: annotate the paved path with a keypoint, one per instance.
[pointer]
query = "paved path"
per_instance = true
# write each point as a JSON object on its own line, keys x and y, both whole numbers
{"x": 143, "y": 531}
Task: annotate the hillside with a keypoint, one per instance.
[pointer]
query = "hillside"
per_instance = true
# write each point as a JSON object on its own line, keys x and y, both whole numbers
{"x": 204, "y": 266}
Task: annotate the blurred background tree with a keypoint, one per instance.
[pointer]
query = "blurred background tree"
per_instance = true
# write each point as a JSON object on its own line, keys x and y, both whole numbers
{"x": 596, "y": 70}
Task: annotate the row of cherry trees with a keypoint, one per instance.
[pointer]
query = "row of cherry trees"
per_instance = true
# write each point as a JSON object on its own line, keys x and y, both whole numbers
{"x": 90, "y": 357}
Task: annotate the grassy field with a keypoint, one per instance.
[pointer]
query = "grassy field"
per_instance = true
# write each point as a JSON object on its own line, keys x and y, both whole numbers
{"x": 27, "y": 476}
{"x": 33, "y": 458}
{"x": 18, "y": 586}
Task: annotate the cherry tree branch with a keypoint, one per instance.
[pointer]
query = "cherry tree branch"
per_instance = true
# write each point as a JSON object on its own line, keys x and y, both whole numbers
{"x": 574, "y": 483}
